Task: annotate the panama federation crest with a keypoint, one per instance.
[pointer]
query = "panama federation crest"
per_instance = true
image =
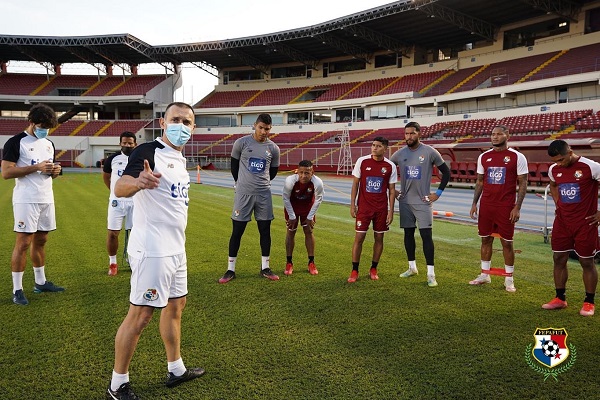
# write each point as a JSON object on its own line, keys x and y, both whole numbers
{"x": 550, "y": 355}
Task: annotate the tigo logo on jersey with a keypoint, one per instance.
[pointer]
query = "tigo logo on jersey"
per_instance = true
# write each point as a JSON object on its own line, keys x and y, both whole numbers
{"x": 569, "y": 192}
{"x": 550, "y": 350}
{"x": 578, "y": 174}
{"x": 412, "y": 172}
{"x": 374, "y": 184}
{"x": 256, "y": 165}
{"x": 496, "y": 175}
{"x": 151, "y": 295}
{"x": 180, "y": 190}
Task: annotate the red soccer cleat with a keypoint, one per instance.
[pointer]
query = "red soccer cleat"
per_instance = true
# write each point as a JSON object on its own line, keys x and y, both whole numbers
{"x": 353, "y": 276}
{"x": 312, "y": 269}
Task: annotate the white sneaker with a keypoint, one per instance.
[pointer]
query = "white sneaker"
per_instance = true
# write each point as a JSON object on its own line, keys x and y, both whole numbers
{"x": 409, "y": 272}
{"x": 481, "y": 279}
{"x": 431, "y": 282}
{"x": 509, "y": 284}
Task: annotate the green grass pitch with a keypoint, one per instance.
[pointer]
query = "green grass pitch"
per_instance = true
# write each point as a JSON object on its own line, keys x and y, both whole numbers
{"x": 303, "y": 337}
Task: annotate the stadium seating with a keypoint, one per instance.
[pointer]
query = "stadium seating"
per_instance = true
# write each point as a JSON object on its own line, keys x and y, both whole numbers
{"x": 577, "y": 60}
{"x": 20, "y": 84}
{"x": 12, "y": 126}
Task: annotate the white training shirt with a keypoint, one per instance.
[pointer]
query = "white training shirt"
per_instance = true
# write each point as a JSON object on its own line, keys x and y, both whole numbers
{"x": 115, "y": 165}
{"x": 159, "y": 215}
{"x": 24, "y": 150}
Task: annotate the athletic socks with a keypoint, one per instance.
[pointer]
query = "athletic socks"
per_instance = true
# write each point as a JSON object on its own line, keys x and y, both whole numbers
{"x": 354, "y": 266}
{"x": 117, "y": 380}
{"x": 176, "y": 367}
{"x": 231, "y": 263}
{"x": 40, "y": 275}
{"x": 589, "y": 297}
{"x": 264, "y": 262}
{"x": 17, "y": 278}
{"x": 112, "y": 259}
{"x": 430, "y": 270}
{"x": 560, "y": 293}
{"x": 289, "y": 259}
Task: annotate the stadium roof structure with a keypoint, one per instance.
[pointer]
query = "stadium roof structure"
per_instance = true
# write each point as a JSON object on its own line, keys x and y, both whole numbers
{"x": 395, "y": 27}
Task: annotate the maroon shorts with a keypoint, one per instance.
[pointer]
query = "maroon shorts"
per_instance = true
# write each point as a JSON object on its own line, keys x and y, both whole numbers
{"x": 299, "y": 217}
{"x": 578, "y": 236}
{"x": 364, "y": 218}
{"x": 495, "y": 219}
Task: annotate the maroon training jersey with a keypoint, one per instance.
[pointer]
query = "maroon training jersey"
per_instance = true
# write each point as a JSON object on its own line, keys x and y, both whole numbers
{"x": 500, "y": 170}
{"x": 374, "y": 179}
{"x": 577, "y": 189}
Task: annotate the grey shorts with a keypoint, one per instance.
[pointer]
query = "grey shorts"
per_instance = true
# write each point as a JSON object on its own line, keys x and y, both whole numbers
{"x": 413, "y": 214}
{"x": 260, "y": 204}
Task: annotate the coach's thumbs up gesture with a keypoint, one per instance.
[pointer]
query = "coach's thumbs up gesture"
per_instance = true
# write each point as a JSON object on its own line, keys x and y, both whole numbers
{"x": 148, "y": 179}
{"x": 127, "y": 185}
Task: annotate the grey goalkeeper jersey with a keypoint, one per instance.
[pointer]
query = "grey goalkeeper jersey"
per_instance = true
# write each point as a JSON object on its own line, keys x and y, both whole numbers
{"x": 415, "y": 168}
{"x": 255, "y": 160}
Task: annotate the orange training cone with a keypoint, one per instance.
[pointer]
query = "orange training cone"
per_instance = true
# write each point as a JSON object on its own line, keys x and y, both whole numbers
{"x": 198, "y": 175}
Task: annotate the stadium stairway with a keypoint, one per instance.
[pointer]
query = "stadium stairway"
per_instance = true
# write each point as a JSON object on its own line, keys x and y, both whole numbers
{"x": 542, "y": 66}
{"x": 214, "y": 144}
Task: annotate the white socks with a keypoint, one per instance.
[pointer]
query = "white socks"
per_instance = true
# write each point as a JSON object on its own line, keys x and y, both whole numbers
{"x": 231, "y": 263}
{"x": 485, "y": 266}
{"x": 265, "y": 262}
{"x": 17, "y": 278}
{"x": 176, "y": 367}
{"x": 430, "y": 270}
{"x": 117, "y": 380}
{"x": 412, "y": 265}
{"x": 40, "y": 275}
{"x": 112, "y": 259}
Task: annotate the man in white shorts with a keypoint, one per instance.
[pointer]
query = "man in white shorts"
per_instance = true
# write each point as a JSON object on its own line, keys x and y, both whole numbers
{"x": 119, "y": 209}
{"x": 157, "y": 179}
{"x": 28, "y": 158}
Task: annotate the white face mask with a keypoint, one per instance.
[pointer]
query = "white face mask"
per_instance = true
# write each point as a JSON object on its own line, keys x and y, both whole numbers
{"x": 178, "y": 134}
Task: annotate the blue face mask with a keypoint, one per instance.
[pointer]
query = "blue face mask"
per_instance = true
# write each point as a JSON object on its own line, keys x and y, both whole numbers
{"x": 40, "y": 133}
{"x": 178, "y": 134}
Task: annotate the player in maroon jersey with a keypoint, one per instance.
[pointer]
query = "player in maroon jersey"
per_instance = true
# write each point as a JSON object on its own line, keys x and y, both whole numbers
{"x": 574, "y": 188}
{"x": 374, "y": 179}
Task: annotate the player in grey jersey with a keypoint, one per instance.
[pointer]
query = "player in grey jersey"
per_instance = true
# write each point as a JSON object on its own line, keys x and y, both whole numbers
{"x": 415, "y": 162}
{"x": 254, "y": 163}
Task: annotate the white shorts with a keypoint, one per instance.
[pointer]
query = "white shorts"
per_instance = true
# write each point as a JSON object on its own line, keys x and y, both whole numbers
{"x": 155, "y": 280}
{"x": 117, "y": 211}
{"x": 34, "y": 217}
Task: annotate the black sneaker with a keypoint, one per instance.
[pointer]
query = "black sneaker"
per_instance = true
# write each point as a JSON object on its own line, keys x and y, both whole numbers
{"x": 47, "y": 287}
{"x": 188, "y": 375}
{"x": 267, "y": 273}
{"x": 124, "y": 392}
{"x": 229, "y": 275}
{"x": 19, "y": 298}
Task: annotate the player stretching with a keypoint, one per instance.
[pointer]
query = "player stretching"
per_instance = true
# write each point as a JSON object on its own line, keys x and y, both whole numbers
{"x": 302, "y": 196}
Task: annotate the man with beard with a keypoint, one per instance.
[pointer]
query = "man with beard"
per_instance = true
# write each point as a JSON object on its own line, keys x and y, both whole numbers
{"x": 118, "y": 208}
{"x": 499, "y": 171}
{"x": 415, "y": 162}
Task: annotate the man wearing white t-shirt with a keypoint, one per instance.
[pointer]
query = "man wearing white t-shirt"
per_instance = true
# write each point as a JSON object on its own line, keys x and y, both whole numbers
{"x": 28, "y": 158}
{"x": 119, "y": 209}
{"x": 158, "y": 181}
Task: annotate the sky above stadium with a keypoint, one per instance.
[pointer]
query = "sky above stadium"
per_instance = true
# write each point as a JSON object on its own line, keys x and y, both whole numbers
{"x": 164, "y": 22}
